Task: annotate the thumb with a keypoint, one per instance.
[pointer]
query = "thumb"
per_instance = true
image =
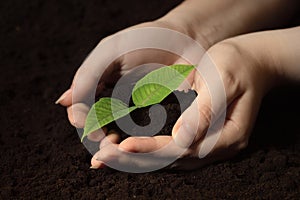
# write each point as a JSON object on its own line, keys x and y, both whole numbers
{"x": 66, "y": 98}
{"x": 193, "y": 122}
{"x": 207, "y": 108}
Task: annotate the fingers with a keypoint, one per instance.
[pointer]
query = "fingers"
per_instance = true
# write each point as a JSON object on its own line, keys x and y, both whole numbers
{"x": 140, "y": 154}
{"x": 234, "y": 137}
{"x": 66, "y": 98}
{"x": 235, "y": 133}
{"x": 145, "y": 154}
{"x": 144, "y": 144}
{"x": 112, "y": 138}
{"x": 96, "y": 164}
{"x": 116, "y": 158}
{"x": 88, "y": 76}
{"x": 240, "y": 120}
{"x": 77, "y": 114}
{"x": 104, "y": 65}
{"x": 85, "y": 83}
{"x": 216, "y": 88}
{"x": 195, "y": 120}
{"x": 163, "y": 146}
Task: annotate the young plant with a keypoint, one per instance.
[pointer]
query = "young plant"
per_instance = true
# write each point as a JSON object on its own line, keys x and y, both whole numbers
{"x": 149, "y": 90}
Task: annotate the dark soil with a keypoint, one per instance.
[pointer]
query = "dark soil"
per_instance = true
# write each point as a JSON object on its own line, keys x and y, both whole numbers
{"x": 42, "y": 45}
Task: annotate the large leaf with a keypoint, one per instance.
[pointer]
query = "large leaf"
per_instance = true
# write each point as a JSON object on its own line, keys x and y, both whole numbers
{"x": 103, "y": 112}
{"x": 158, "y": 84}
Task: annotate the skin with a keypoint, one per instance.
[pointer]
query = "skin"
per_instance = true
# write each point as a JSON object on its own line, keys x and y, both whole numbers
{"x": 249, "y": 65}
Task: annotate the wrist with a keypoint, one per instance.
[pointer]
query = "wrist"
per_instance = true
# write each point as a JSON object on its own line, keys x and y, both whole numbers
{"x": 255, "y": 58}
{"x": 288, "y": 53}
{"x": 193, "y": 19}
{"x": 274, "y": 55}
{"x": 210, "y": 22}
{"x": 279, "y": 52}
{"x": 183, "y": 25}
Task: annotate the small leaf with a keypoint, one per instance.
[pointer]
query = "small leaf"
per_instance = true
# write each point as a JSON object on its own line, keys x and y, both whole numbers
{"x": 103, "y": 112}
{"x": 158, "y": 84}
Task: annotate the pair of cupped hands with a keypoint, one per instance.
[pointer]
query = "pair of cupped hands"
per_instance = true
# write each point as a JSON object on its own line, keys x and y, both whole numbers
{"x": 240, "y": 62}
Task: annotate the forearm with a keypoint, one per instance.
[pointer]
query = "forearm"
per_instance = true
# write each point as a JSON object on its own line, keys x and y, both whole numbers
{"x": 212, "y": 21}
{"x": 276, "y": 54}
{"x": 288, "y": 53}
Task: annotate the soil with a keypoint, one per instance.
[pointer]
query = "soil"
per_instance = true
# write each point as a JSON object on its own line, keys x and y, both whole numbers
{"x": 42, "y": 45}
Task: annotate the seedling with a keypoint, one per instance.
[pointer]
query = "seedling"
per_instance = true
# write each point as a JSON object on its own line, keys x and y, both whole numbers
{"x": 151, "y": 89}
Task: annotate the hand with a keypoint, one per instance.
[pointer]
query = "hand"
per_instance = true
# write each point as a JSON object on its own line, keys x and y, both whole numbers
{"x": 249, "y": 65}
{"x": 204, "y": 28}
{"x": 79, "y": 97}
{"x": 244, "y": 92}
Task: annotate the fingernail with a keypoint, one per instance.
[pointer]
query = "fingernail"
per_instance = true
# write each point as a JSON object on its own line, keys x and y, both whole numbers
{"x": 185, "y": 136}
{"x": 62, "y": 97}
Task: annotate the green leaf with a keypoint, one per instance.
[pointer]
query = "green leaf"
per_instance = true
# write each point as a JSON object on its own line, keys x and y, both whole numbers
{"x": 158, "y": 84}
{"x": 103, "y": 112}
{"x": 151, "y": 89}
